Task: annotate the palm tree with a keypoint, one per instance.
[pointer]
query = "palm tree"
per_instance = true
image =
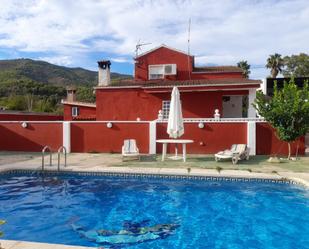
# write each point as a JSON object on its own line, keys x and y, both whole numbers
{"x": 275, "y": 62}
{"x": 245, "y": 68}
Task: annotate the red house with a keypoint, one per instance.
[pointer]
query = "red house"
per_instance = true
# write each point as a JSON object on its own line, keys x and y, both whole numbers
{"x": 203, "y": 90}
{"x": 137, "y": 108}
{"x": 75, "y": 110}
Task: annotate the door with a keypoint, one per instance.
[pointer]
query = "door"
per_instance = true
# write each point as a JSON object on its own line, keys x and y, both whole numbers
{"x": 232, "y": 106}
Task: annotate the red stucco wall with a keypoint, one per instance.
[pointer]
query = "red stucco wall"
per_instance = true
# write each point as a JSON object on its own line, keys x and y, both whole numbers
{"x": 67, "y": 112}
{"x": 163, "y": 56}
{"x": 267, "y": 142}
{"x": 184, "y": 68}
{"x": 90, "y": 137}
{"x": 209, "y": 140}
{"x": 33, "y": 138}
{"x": 27, "y": 117}
{"x": 129, "y": 104}
{"x": 83, "y": 111}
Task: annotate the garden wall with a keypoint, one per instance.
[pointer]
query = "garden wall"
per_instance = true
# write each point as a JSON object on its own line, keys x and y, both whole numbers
{"x": 267, "y": 142}
{"x": 97, "y": 137}
{"x": 210, "y": 139}
{"x": 13, "y": 137}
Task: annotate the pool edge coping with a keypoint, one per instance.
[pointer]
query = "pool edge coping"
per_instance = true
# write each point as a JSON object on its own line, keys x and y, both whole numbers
{"x": 22, "y": 244}
{"x": 171, "y": 173}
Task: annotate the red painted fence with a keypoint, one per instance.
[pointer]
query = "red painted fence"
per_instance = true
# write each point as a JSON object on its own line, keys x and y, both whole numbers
{"x": 210, "y": 139}
{"x": 97, "y": 137}
{"x": 267, "y": 143}
{"x": 13, "y": 137}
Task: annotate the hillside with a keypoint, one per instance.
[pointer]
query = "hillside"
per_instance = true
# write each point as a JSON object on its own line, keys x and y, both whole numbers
{"x": 30, "y": 85}
{"x": 44, "y": 72}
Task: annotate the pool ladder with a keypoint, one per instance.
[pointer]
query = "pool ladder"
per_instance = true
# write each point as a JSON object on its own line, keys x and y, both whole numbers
{"x": 61, "y": 149}
{"x": 46, "y": 148}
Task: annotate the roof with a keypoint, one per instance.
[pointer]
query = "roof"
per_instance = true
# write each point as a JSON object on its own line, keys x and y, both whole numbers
{"x": 10, "y": 112}
{"x": 85, "y": 117}
{"x": 78, "y": 103}
{"x": 217, "y": 69}
{"x": 161, "y": 46}
{"x": 191, "y": 83}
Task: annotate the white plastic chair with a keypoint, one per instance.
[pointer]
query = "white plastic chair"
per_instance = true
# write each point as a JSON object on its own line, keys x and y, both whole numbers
{"x": 129, "y": 148}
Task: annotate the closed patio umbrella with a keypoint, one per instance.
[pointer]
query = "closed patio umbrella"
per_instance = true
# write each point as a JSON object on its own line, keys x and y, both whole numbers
{"x": 175, "y": 127}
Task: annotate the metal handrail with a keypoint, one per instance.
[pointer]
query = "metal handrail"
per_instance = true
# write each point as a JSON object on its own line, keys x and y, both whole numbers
{"x": 62, "y": 149}
{"x": 43, "y": 156}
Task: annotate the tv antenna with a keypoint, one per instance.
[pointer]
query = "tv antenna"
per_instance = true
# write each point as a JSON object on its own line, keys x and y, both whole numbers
{"x": 139, "y": 45}
{"x": 189, "y": 34}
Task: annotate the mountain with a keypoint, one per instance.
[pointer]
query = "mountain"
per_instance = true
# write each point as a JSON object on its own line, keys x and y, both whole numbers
{"x": 31, "y": 85}
{"x": 44, "y": 72}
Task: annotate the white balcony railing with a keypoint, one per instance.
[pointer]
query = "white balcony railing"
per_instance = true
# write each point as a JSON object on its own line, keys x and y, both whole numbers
{"x": 215, "y": 120}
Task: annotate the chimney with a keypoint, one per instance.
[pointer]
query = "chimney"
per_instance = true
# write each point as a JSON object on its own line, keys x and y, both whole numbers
{"x": 104, "y": 78}
{"x": 71, "y": 94}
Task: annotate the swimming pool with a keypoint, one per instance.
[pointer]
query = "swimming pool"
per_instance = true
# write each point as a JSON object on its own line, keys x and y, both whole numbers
{"x": 140, "y": 212}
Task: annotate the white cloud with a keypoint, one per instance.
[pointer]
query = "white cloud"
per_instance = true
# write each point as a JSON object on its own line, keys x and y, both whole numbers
{"x": 58, "y": 60}
{"x": 222, "y": 32}
{"x": 122, "y": 60}
{"x": 222, "y": 59}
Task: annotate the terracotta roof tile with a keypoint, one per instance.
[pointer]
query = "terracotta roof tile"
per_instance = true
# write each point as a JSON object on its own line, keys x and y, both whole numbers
{"x": 164, "y": 83}
{"x": 78, "y": 103}
{"x": 85, "y": 117}
{"x": 217, "y": 69}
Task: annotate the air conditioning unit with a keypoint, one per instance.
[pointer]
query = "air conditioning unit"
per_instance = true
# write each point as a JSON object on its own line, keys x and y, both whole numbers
{"x": 170, "y": 69}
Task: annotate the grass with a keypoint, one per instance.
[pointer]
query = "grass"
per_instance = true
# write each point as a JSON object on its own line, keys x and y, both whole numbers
{"x": 255, "y": 164}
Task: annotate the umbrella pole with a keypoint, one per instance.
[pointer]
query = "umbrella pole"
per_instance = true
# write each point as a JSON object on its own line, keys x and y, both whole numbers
{"x": 176, "y": 151}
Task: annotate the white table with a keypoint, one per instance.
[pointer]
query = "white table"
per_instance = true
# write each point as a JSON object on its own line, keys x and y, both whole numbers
{"x": 184, "y": 142}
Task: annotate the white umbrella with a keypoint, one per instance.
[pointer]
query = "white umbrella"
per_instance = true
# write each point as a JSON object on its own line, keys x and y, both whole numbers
{"x": 175, "y": 127}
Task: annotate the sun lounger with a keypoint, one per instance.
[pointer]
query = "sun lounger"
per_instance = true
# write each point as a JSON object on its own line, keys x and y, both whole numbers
{"x": 129, "y": 149}
{"x": 236, "y": 153}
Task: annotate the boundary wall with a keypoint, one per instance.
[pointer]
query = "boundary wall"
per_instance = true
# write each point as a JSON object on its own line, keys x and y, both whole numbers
{"x": 108, "y": 136}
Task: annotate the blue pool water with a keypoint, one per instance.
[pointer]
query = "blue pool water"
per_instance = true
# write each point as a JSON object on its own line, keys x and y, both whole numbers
{"x": 154, "y": 213}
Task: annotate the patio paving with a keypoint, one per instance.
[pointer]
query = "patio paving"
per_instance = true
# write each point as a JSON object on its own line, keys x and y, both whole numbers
{"x": 256, "y": 167}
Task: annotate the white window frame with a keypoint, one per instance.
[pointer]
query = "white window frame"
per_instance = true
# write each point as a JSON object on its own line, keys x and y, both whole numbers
{"x": 166, "y": 108}
{"x": 173, "y": 69}
{"x": 154, "y": 76}
{"x": 160, "y": 67}
{"x": 75, "y": 111}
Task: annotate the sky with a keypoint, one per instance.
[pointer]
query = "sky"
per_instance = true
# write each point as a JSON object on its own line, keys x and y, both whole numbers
{"x": 78, "y": 33}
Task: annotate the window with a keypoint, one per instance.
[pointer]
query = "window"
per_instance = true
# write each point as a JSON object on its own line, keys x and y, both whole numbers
{"x": 75, "y": 111}
{"x": 158, "y": 71}
{"x": 166, "y": 108}
{"x": 170, "y": 69}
